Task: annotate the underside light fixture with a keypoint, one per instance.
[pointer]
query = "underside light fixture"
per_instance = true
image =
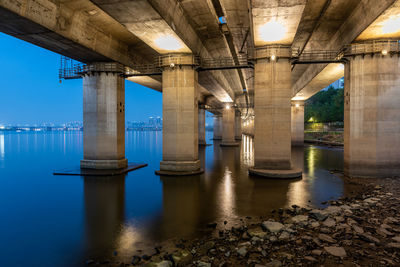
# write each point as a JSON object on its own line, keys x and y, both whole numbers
{"x": 273, "y": 57}
{"x": 297, "y": 105}
{"x": 272, "y": 31}
{"x": 384, "y": 52}
{"x": 168, "y": 42}
{"x": 227, "y": 106}
{"x": 391, "y": 25}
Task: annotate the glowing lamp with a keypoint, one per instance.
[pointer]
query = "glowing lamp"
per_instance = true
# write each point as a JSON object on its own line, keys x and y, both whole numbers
{"x": 272, "y": 31}
{"x": 384, "y": 52}
{"x": 391, "y": 25}
{"x": 168, "y": 42}
{"x": 273, "y": 57}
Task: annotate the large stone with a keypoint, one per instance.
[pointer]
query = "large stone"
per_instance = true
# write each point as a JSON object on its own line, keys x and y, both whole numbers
{"x": 326, "y": 238}
{"x": 336, "y": 251}
{"x": 299, "y": 219}
{"x": 273, "y": 227}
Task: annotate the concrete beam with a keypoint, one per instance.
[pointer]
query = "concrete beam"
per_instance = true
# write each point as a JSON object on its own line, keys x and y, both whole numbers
{"x": 70, "y": 30}
{"x": 331, "y": 73}
{"x": 363, "y": 14}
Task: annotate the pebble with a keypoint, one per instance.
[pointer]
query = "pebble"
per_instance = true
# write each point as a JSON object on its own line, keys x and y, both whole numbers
{"x": 273, "y": 227}
{"x": 336, "y": 251}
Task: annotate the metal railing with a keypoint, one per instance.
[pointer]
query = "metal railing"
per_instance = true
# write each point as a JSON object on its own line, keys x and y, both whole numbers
{"x": 71, "y": 69}
{"x": 372, "y": 47}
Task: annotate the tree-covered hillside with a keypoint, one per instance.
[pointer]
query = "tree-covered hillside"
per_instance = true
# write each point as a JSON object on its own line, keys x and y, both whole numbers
{"x": 325, "y": 106}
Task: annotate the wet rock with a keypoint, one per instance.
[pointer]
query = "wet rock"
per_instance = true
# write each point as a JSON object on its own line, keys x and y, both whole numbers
{"x": 245, "y": 236}
{"x": 136, "y": 260}
{"x": 182, "y": 258}
{"x": 329, "y": 222}
{"x": 258, "y": 232}
{"x": 396, "y": 238}
{"x": 273, "y": 227}
{"x": 336, "y": 251}
{"x": 256, "y": 240}
{"x": 325, "y": 230}
{"x": 299, "y": 219}
{"x": 315, "y": 224}
{"x": 146, "y": 257}
{"x": 164, "y": 263}
{"x": 242, "y": 251}
{"x": 203, "y": 264}
{"x": 316, "y": 252}
{"x": 393, "y": 245}
{"x": 318, "y": 214}
{"x": 326, "y": 238}
{"x": 284, "y": 236}
{"x": 203, "y": 249}
{"x": 383, "y": 232}
{"x": 358, "y": 229}
{"x": 369, "y": 238}
{"x": 309, "y": 258}
{"x": 274, "y": 263}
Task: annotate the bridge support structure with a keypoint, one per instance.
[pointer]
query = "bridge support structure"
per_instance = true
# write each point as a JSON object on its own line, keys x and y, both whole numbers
{"x": 202, "y": 126}
{"x": 297, "y": 123}
{"x": 217, "y": 133}
{"x": 180, "y": 116}
{"x": 238, "y": 126}
{"x": 103, "y": 117}
{"x": 272, "y": 108}
{"x": 372, "y": 114}
{"x": 228, "y": 126}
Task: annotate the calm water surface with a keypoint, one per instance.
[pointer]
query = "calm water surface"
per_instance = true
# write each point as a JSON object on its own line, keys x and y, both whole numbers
{"x": 51, "y": 220}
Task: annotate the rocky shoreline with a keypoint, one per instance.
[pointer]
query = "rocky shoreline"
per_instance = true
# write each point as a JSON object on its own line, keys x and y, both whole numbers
{"x": 361, "y": 229}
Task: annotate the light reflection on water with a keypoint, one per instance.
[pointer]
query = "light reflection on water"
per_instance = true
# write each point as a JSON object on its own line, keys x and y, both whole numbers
{"x": 1, "y": 146}
{"x": 79, "y": 218}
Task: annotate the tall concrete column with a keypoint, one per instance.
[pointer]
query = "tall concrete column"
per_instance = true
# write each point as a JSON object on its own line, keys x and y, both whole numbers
{"x": 297, "y": 123}
{"x": 180, "y": 116}
{"x": 202, "y": 126}
{"x": 217, "y": 127}
{"x": 372, "y": 116}
{"x": 238, "y": 126}
{"x": 228, "y": 126}
{"x": 104, "y": 117}
{"x": 272, "y": 110}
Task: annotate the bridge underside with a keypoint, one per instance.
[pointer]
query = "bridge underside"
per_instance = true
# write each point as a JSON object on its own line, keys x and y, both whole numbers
{"x": 252, "y": 63}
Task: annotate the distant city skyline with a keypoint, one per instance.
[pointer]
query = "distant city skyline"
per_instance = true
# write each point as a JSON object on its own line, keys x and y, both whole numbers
{"x": 31, "y": 93}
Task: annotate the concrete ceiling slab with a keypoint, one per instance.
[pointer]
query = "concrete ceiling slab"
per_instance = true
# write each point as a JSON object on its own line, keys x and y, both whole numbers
{"x": 386, "y": 26}
{"x": 278, "y": 18}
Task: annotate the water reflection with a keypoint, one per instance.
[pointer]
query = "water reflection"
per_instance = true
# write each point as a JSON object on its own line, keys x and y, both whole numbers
{"x": 247, "y": 153}
{"x": 99, "y": 216}
{"x": 1, "y": 146}
{"x": 104, "y": 199}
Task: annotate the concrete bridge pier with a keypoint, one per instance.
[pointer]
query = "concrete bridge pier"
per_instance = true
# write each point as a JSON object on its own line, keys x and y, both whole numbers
{"x": 202, "y": 126}
{"x": 272, "y": 108}
{"x": 104, "y": 117}
{"x": 238, "y": 126}
{"x": 180, "y": 116}
{"x": 372, "y": 115}
{"x": 217, "y": 134}
{"x": 228, "y": 126}
{"x": 297, "y": 123}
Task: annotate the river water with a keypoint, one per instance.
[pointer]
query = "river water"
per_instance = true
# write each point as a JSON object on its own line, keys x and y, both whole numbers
{"x": 48, "y": 220}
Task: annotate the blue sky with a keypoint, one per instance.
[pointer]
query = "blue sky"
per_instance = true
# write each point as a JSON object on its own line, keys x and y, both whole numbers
{"x": 32, "y": 94}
